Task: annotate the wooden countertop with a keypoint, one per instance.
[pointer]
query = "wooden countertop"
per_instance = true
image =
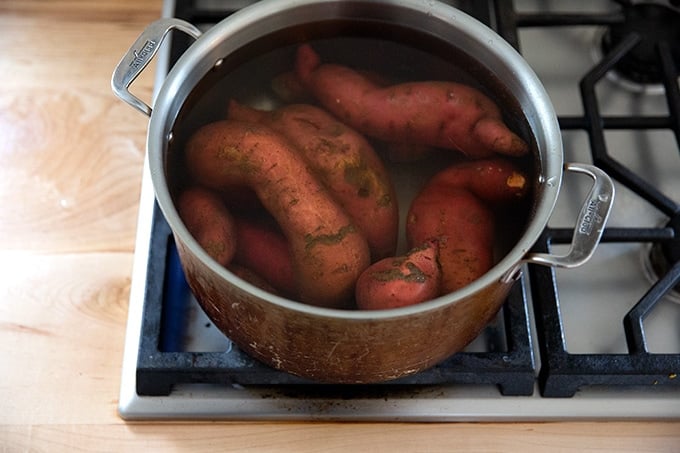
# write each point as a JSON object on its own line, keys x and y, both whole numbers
{"x": 71, "y": 165}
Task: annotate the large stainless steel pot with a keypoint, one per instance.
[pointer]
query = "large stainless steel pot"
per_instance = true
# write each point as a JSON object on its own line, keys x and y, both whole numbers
{"x": 341, "y": 345}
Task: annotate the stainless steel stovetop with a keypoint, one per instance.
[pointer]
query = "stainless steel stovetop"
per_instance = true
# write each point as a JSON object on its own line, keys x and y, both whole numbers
{"x": 591, "y": 322}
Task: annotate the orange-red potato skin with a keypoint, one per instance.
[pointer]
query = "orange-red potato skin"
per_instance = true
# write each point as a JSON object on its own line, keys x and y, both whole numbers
{"x": 463, "y": 227}
{"x": 345, "y": 162}
{"x": 329, "y": 252}
{"x": 401, "y": 281}
{"x": 453, "y": 207}
{"x": 209, "y": 222}
{"x": 290, "y": 89}
{"x": 435, "y": 113}
{"x": 263, "y": 250}
{"x": 494, "y": 180}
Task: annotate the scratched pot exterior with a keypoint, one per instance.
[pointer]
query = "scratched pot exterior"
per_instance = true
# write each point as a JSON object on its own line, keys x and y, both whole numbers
{"x": 342, "y": 345}
{"x": 332, "y": 349}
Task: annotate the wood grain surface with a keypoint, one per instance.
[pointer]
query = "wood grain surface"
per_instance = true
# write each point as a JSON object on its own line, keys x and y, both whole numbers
{"x": 71, "y": 157}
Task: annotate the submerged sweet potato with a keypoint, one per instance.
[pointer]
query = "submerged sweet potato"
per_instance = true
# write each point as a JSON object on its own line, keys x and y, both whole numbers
{"x": 346, "y": 164}
{"x": 454, "y": 208}
{"x": 435, "y": 113}
{"x": 464, "y": 228}
{"x": 401, "y": 281}
{"x": 493, "y": 180}
{"x": 290, "y": 89}
{"x": 209, "y": 222}
{"x": 262, "y": 249}
{"x": 329, "y": 252}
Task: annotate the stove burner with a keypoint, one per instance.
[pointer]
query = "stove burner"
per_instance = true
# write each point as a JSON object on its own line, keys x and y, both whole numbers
{"x": 653, "y": 23}
{"x": 664, "y": 255}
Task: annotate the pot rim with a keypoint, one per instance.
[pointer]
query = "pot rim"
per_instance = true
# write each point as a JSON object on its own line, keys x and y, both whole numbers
{"x": 518, "y": 77}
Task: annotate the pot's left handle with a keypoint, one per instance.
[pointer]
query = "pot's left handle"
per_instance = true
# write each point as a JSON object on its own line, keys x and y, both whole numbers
{"x": 140, "y": 54}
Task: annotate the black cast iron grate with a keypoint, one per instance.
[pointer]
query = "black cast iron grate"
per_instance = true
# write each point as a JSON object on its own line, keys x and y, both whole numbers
{"x": 507, "y": 363}
{"x": 563, "y": 373}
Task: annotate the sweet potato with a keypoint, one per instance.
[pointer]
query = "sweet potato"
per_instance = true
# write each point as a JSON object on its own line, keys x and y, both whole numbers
{"x": 346, "y": 164}
{"x": 464, "y": 228}
{"x": 453, "y": 208}
{"x": 209, "y": 222}
{"x": 329, "y": 252}
{"x": 436, "y": 113}
{"x": 401, "y": 281}
{"x": 262, "y": 249}
{"x": 290, "y": 89}
{"x": 493, "y": 180}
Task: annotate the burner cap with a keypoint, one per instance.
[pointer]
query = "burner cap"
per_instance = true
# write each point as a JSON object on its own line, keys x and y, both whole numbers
{"x": 664, "y": 254}
{"x": 654, "y": 23}
{"x": 671, "y": 249}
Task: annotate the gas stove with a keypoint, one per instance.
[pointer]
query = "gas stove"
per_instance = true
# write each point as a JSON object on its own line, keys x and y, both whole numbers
{"x": 597, "y": 342}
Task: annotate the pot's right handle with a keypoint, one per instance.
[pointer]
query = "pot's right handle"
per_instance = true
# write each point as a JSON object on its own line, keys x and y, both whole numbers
{"x": 140, "y": 54}
{"x": 590, "y": 222}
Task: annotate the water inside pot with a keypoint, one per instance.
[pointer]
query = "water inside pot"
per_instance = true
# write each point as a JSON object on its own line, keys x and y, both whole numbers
{"x": 397, "y": 55}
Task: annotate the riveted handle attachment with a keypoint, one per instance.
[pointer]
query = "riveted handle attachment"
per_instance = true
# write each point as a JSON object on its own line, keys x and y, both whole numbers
{"x": 589, "y": 224}
{"x": 140, "y": 54}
